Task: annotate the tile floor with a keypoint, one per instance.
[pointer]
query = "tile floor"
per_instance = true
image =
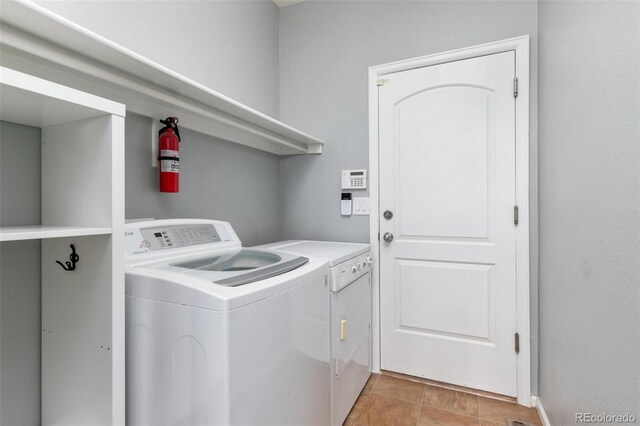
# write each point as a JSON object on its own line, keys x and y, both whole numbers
{"x": 394, "y": 400}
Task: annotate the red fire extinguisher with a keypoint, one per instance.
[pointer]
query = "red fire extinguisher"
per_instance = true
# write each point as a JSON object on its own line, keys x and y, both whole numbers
{"x": 169, "y": 158}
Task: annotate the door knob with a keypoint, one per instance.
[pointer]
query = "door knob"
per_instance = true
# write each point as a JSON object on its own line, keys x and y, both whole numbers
{"x": 388, "y": 214}
{"x": 388, "y": 237}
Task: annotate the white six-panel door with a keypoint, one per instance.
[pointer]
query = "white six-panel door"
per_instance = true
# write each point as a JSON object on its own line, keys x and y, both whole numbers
{"x": 447, "y": 175}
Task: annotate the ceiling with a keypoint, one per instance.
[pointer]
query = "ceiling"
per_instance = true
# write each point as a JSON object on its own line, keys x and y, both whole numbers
{"x": 283, "y": 3}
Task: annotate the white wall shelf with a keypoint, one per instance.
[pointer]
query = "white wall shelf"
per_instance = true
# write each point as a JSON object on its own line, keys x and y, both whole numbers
{"x": 39, "y": 42}
{"x": 33, "y": 101}
{"x": 37, "y": 232}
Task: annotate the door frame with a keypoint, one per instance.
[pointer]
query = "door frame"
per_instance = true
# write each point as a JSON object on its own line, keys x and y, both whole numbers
{"x": 521, "y": 47}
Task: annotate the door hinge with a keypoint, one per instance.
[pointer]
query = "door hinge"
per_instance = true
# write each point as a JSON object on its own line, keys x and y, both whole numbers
{"x": 382, "y": 81}
{"x": 515, "y": 87}
{"x": 515, "y": 215}
{"x": 378, "y": 236}
{"x": 517, "y": 343}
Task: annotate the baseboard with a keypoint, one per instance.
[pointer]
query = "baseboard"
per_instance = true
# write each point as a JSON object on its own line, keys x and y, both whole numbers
{"x": 535, "y": 401}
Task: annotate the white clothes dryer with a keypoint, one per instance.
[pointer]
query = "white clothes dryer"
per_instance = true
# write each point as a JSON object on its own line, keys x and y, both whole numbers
{"x": 221, "y": 335}
{"x": 350, "y": 265}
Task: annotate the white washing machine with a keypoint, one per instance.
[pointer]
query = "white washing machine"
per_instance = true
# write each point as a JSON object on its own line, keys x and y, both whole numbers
{"x": 221, "y": 335}
{"x": 350, "y": 266}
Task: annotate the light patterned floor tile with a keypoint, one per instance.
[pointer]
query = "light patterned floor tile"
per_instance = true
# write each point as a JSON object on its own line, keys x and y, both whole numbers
{"x": 488, "y": 423}
{"x": 398, "y": 388}
{"x": 385, "y": 411}
{"x": 357, "y": 408}
{"x": 451, "y": 400}
{"x": 431, "y": 416}
{"x": 371, "y": 381}
{"x": 498, "y": 411}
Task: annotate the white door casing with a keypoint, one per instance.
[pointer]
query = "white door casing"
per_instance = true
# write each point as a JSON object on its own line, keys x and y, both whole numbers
{"x": 453, "y": 313}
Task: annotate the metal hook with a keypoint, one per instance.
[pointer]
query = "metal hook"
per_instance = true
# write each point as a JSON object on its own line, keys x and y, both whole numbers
{"x": 73, "y": 257}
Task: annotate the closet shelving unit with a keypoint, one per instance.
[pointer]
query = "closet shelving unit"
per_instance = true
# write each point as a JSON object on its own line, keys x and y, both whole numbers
{"x": 82, "y": 202}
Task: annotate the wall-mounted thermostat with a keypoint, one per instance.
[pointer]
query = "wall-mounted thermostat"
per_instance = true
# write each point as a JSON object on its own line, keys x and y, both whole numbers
{"x": 354, "y": 179}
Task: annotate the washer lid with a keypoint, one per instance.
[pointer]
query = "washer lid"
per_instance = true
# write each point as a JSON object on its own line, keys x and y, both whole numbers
{"x": 186, "y": 287}
{"x": 242, "y": 260}
{"x": 234, "y": 268}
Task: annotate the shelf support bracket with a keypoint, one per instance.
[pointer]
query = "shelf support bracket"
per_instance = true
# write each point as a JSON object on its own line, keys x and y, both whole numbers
{"x": 155, "y": 128}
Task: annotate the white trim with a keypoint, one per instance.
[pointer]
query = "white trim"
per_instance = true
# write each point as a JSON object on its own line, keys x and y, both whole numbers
{"x": 47, "y": 45}
{"x": 521, "y": 47}
{"x": 118, "y": 378}
{"x": 535, "y": 402}
{"x": 374, "y": 220}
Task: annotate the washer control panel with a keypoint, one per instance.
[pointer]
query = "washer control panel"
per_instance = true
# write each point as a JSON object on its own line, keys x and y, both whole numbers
{"x": 349, "y": 271}
{"x": 145, "y": 240}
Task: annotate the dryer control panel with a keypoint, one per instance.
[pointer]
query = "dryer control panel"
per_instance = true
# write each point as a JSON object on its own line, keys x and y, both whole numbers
{"x": 349, "y": 271}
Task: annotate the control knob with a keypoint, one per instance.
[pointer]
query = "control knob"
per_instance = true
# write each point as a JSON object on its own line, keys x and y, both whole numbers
{"x": 354, "y": 269}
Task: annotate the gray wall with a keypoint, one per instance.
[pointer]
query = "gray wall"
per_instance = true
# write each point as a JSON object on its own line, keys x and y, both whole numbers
{"x": 325, "y": 51}
{"x": 229, "y": 46}
{"x": 589, "y": 208}
{"x": 19, "y": 277}
{"x": 218, "y": 180}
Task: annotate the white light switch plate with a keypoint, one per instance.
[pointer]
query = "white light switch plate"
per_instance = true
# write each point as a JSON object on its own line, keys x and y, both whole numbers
{"x": 361, "y": 206}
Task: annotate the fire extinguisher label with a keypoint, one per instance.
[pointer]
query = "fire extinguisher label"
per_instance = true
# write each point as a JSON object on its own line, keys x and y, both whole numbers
{"x": 169, "y": 166}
